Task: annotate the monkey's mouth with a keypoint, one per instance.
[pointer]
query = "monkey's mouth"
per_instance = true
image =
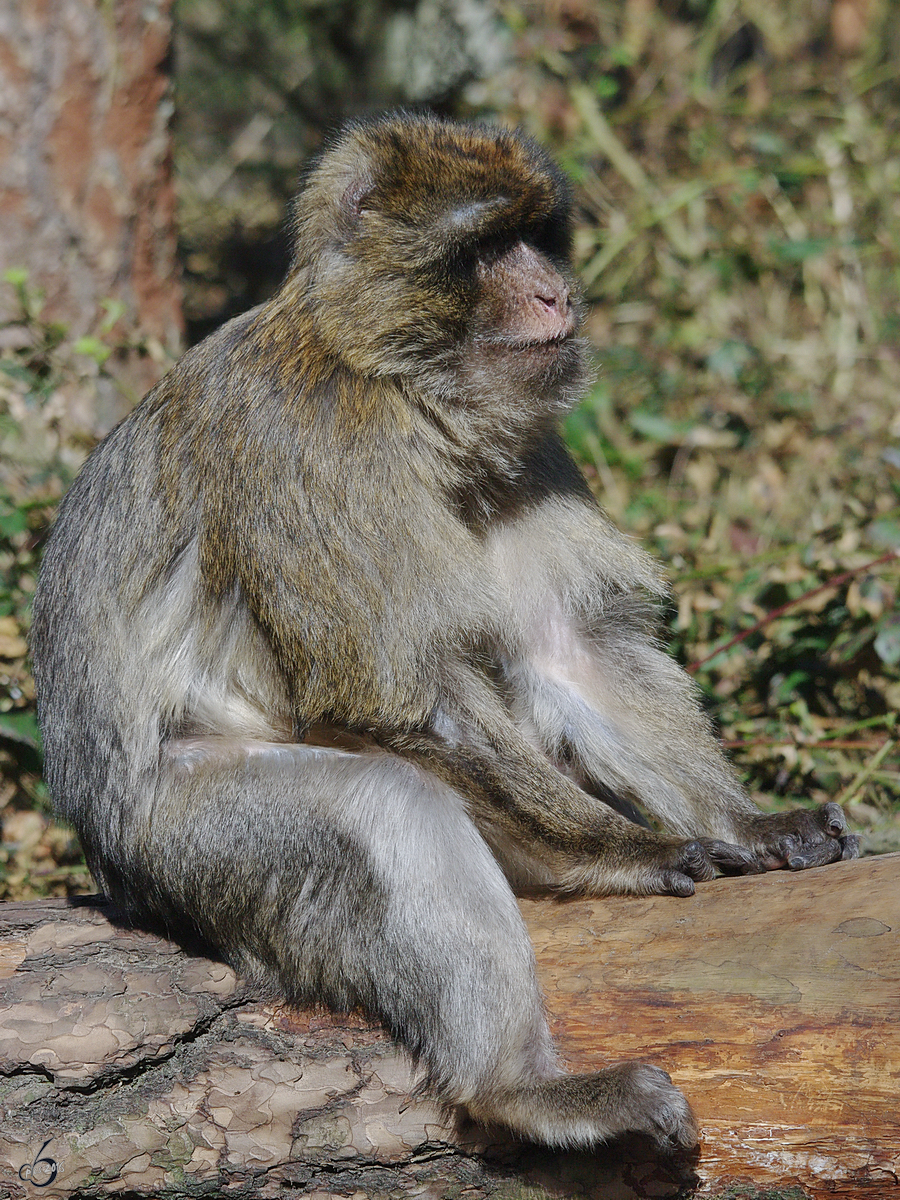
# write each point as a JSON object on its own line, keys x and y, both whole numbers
{"x": 559, "y": 347}
{"x": 522, "y": 345}
{"x": 558, "y": 339}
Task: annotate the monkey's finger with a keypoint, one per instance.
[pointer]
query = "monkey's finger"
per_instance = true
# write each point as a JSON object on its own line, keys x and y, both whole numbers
{"x": 779, "y": 851}
{"x": 834, "y": 822}
{"x": 815, "y": 856}
{"x": 731, "y": 859}
{"x": 674, "y": 883}
{"x": 850, "y": 846}
{"x": 694, "y": 861}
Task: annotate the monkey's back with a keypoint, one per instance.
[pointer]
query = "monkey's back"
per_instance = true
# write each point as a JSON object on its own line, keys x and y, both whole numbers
{"x": 118, "y": 554}
{"x": 239, "y": 559}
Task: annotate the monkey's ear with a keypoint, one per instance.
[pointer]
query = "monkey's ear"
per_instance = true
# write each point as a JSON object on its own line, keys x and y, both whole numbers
{"x": 353, "y": 201}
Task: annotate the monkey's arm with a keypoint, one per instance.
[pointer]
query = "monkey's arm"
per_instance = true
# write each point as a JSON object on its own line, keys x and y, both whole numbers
{"x": 544, "y": 827}
{"x": 600, "y": 697}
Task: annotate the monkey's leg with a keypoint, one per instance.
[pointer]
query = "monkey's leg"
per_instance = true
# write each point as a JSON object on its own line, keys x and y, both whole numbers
{"x": 622, "y": 716}
{"x": 360, "y": 879}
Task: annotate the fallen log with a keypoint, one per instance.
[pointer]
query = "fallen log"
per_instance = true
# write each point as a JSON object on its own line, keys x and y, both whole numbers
{"x": 130, "y": 1065}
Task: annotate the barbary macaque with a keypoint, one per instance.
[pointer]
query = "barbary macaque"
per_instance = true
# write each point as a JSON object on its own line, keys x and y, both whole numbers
{"x": 336, "y": 652}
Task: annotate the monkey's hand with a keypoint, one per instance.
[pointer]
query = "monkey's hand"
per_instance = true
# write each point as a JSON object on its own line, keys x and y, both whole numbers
{"x": 659, "y": 866}
{"x": 798, "y": 839}
{"x": 801, "y": 838}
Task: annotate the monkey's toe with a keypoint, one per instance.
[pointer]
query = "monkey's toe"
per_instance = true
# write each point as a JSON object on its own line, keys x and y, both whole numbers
{"x": 850, "y": 846}
{"x": 833, "y": 819}
{"x": 815, "y": 856}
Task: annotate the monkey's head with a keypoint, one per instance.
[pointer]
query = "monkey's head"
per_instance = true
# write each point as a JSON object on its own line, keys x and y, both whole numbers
{"x": 440, "y": 251}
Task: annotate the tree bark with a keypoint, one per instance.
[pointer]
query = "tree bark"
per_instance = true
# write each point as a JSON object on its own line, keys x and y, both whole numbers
{"x": 131, "y": 1065}
{"x": 86, "y": 195}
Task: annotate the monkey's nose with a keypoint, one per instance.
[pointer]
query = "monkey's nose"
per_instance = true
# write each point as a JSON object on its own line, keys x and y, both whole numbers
{"x": 562, "y": 301}
{"x": 554, "y": 305}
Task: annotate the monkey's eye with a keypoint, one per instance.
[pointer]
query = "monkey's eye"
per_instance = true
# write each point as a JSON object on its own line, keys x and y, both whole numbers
{"x": 490, "y": 250}
{"x": 456, "y": 267}
{"x": 550, "y": 237}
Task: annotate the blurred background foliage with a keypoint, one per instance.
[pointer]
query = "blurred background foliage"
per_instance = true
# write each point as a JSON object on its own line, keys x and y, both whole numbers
{"x": 737, "y": 179}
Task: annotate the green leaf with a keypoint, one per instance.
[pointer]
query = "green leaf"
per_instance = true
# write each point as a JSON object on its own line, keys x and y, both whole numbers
{"x": 785, "y": 688}
{"x": 730, "y": 360}
{"x": 621, "y": 55}
{"x": 764, "y": 141}
{"x": 885, "y": 532}
{"x": 20, "y": 725}
{"x": 887, "y": 642}
{"x": 93, "y": 348}
{"x": 13, "y": 522}
{"x": 114, "y": 310}
{"x": 797, "y": 250}
{"x": 657, "y": 428}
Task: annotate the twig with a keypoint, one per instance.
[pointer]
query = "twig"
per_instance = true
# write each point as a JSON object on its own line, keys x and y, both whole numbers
{"x": 824, "y": 744}
{"x": 837, "y": 581}
{"x": 849, "y": 793}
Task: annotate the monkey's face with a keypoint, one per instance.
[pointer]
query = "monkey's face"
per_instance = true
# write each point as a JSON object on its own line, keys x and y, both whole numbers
{"x": 440, "y": 251}
{"x": 522, "y": 323}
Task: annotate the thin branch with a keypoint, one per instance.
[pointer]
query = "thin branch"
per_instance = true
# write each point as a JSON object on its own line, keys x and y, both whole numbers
{"x": 837, "y": 581}
{"x": 851, "y": 792}
{"x": 825, "y": 744}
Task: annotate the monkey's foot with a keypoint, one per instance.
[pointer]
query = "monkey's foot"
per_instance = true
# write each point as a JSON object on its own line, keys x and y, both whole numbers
{"x": 802, "y": 838}
{"x": 583, "y": 1110}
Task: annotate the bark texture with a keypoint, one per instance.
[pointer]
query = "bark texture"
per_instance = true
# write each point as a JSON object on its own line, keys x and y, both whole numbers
{"x": 130, "y": 1065}
{"x": 86, "y": 194}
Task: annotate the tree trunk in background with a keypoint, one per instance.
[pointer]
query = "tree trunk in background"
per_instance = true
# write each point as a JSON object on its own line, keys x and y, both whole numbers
{"x": 86, "y": 193}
